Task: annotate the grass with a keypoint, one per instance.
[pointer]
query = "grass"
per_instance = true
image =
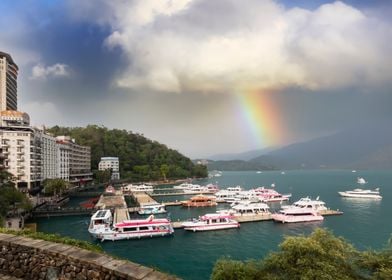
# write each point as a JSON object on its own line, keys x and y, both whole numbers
{"x": 55, "y": 238}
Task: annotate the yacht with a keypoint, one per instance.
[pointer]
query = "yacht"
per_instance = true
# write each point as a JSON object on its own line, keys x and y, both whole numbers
{"x": 154, "y": 208}
{"x": 270, "y": 195}
{"x": 101, "y": 227}
{"x": 214, "y": 221}
{"x": 306, "y": 202}
{"x": 297, "y": 215}
{"x": 224, "y": 196}
{"x": 200, "y": 201}
{"x": 250, "y": 208}
{"x": 138, "y": 188}
{"x": 360, "y": 193}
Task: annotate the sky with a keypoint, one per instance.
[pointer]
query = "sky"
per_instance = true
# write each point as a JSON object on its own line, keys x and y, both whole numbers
{"x": 203, "y": 77}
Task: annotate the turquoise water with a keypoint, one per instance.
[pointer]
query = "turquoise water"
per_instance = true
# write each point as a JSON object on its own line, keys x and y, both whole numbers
{"x": 366, "y": 224}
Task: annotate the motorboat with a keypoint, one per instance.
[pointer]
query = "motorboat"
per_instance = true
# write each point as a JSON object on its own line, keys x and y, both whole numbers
{"x": 296, "y": 215}
{"x": 101, "y": 227}
{"x": 360, "y": 193}
{"x": 200, "y": 201}
{"x": 110, "y": 190}
{"x": 236, "y": 189}
{"x": 194, "y": 188}
{"x": 250, "y": 208}
{"x": 153, "y": 208}
{"x": 138, "y": 188}
{"x": 361, "y": 181}
{"x": 308, "y": 203}
{"x": 214, "y": 221}
{"x": 271, "y": 195}
{"x": 225, "y": 196}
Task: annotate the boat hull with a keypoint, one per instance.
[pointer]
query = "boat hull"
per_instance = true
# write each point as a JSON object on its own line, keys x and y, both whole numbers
{"x": 344, "y": 194}
{"x": 195, "y": 228}
{"x": 113, "y": 236}
{"x": 296, "y": 219}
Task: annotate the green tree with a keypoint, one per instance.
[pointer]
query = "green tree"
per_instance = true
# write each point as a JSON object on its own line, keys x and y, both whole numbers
{"x": 164, "y": 170}
{"x": 103, "y": 176}
{"x": 54, "y": 186}
{"x": 318, "y": 256}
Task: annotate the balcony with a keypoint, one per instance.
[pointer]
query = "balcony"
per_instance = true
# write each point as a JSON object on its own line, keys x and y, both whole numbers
{"x": 20, "y": 152}
{"x": 20, "y": 159}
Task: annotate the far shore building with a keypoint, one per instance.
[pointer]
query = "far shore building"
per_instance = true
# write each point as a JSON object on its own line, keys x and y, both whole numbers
{"x": 110, "y": 163}
{"x": 79, "y": 161}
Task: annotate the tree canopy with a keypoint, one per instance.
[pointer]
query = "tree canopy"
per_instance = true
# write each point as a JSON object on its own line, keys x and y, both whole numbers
{"x": 318, "y": 256}
{"x": 141, "y": 159}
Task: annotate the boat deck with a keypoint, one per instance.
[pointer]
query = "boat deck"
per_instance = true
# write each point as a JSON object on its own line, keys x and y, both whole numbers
{"x": 120, "y": 215}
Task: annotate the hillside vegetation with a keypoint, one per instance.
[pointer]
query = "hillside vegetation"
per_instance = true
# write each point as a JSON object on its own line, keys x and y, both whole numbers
{"x": 141, "y": 159}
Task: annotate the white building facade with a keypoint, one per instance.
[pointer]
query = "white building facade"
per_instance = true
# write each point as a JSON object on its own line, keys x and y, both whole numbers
{"x": 111, "y": 163}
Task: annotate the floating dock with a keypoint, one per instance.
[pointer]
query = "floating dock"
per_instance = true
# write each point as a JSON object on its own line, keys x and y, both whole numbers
{"x": 143, "y": 198}
{"x": 178, "y": 193}
{"x": 116, "y": 200}
{"x": 120, "y": 215}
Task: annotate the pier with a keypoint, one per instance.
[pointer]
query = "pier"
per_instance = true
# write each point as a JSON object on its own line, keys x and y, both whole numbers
{"x": 178, "y": 193}
{"x": 116, "y": 200}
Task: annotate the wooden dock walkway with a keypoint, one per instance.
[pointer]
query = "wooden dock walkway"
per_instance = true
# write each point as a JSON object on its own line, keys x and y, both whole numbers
{"x": 143, "y": 198}
{"x": 111, "y": 201}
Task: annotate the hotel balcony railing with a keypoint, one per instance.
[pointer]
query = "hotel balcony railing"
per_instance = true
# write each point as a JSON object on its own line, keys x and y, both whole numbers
{"x": 21, "y": 159}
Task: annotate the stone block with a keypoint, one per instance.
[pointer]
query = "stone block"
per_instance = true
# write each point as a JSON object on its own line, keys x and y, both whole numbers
{"x": 131, "y": 270}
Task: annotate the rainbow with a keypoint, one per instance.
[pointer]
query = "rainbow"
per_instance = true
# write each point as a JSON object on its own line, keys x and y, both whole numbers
{"x": 261, "y": 113}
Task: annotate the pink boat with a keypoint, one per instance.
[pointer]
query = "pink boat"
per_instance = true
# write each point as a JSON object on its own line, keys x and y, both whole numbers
{"x": 270, "y": 195}
{"x": 297, "y": 215}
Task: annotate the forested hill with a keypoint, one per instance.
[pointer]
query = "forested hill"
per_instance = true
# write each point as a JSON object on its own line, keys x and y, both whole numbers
{"x": 140, "y": 158}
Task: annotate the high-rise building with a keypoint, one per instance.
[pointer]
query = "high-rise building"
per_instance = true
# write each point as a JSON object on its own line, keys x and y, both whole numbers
{"x": 8, "y": 83}
{"x": 111, "y": 163}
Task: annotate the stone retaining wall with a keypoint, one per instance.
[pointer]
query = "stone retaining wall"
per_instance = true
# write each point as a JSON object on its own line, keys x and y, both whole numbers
{"x": 34, "y": 259}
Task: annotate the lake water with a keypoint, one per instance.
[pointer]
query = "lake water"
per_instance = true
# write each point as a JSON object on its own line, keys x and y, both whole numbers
{"x": 365, "y": 223}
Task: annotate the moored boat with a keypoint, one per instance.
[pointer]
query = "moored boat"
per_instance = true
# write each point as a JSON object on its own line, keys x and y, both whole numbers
{"x": 308, "y": 203}
{"x": 297, "y": 215}
{"x": 101, "y": 227}
{"x": 271, "y": 195}
{"x": 214, "y": 221}
{"x": 361, "y": 181}
{"x": 138, "y": 188}
{"x": 153, "y": 208}
{"x": 200, "y": 201}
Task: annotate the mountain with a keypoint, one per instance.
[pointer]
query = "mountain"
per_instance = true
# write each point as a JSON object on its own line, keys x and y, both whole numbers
{"x": 244, "y": 156}
{"x": 361, "y": 147}
{"x": 237, "y": 165}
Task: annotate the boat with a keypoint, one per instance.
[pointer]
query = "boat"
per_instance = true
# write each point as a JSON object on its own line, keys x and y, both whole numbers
{"x": 200, "y": 201}
{"x": 308, "y": 203}
{"x": 138, "y": 188}
{"x": 250, "y": 208}
{"x": 101, "y": 227}
{"x": 214, "y": 221}
{"x": 225, "y": 196}
{"x": 110, "y": 190}
{"x": 360, "y": 193}
{"x": 361, "y": 181}
{"x": 259, "y": 172}
{"x": 194, "y": 188}
{"x": 296, "y": 215}
{"x": 270, "y": 195}
{"x": 353, "y": 171}
{"x": 153, "y": 208}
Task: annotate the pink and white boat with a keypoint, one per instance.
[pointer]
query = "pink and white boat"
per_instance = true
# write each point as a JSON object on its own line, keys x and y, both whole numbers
{"x": 101, "y": 227}
{"x": 214, "y": 221}
{"x": 270, "y": 195}
{"x": 297, "y": 215}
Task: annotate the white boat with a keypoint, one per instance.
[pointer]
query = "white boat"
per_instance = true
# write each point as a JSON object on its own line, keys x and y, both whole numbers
{"x": 214, "y": 221}
{"x": 297, "y": 215}
{"x": 259, "y": 172}
{"x": 138, "y": 188}
{"x": 101, "y": 227}
{"x": 270, "y": 195}
{"x": 225, "y": 196}
{"x": 308, "y": 203}
{"x": 361, "y": 181}
{"x": 154, "y": 208}
{"x": 354, "y": 171}
{"x": 360, "y": 193}
{"x": 194, "y": 188}
{"x": 250, "y": 208}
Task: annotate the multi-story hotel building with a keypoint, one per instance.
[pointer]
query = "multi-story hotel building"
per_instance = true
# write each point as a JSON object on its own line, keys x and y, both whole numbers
{"x": 21, "y": 147}
{"x": 111, "y": 163}
{"x": 8, "y": 83}
{"x": 79, "y": 160}
{"x": 49, "y": 155}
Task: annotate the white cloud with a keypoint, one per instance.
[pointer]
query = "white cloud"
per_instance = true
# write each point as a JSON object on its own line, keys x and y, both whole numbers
{"x": 41, "y": 72}
{"x": 229, "y": 45}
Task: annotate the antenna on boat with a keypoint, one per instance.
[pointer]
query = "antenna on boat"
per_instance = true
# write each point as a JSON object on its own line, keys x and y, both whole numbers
{"x": 318, "y": 197}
